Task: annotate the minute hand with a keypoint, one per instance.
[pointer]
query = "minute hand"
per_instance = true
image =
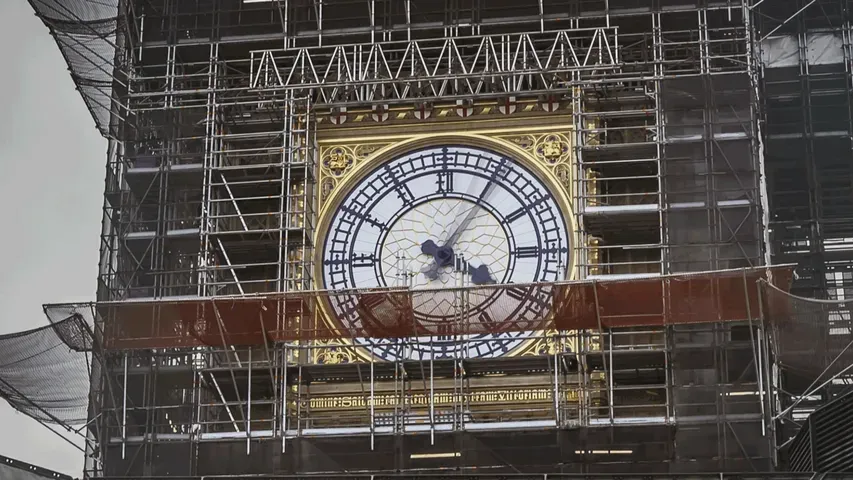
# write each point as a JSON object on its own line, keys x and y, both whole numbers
{"x": 461, "y": 226}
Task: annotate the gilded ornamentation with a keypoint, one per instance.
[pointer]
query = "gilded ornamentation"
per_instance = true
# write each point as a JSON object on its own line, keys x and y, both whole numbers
{"x": 427, "y": 111}
{"x": 338, "y": 160}
{"x": 563, "y": 172}
{"x": 326, "y": 187}
{"x": 366, "y": 150}
{"x": 552, "y": 343}
{"x": 524, "y": 141}
{"x": 553, "y": 148}
{"x": 591, "y": 135}
{"x": 521, "y": 395}
{"x": 547, "y": 346}
{"x": 550, "y": 147}
{"x": 335, "y": 355}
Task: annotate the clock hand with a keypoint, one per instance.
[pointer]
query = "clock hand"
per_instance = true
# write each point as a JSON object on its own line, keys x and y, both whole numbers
{"x": 480, "y": 275}
{"x": 484, "y": 194}
{"x": 429, "y": 248}
{"x": 461, "y": 226}
{"x": 430, "y": 271}
{"x": 443, "y": 256}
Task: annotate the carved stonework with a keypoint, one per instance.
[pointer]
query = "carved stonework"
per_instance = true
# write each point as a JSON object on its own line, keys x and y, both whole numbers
{"x": 563, "y": 172}
{"x": 339, "y": 161}
{"x": 553, "y": 148}
{"x": 527, "y": 142}
{"x": 463, "y": 108}
{"x": 326, "y": 187}
{"x": 364, "y": 151}
{"x": 552, "y": 343}
{"x": 334, "y": 355}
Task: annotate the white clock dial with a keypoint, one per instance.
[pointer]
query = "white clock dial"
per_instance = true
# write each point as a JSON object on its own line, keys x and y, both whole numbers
{"x": 440, "y": 218}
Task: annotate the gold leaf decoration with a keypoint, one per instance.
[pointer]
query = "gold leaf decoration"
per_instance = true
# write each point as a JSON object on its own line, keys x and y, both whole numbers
{"x": 550, "y": 344}
{"x": 326, "y": 187}
{"x": 524, "y": 141}
{"x": 337, "y": 160}
{"x": 335, "y": 355}
{"x": 364, "y": 151}
{"x": 553, "y": 149}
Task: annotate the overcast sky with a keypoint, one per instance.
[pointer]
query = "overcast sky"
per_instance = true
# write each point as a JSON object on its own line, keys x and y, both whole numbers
{"x": 50, "y": 189}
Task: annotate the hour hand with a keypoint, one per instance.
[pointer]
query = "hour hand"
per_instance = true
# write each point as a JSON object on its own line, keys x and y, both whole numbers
{"x": 429, "y": 248}
{"x": 430, "y": 271}
{"x": 443, "y": 255}
{"x": 479, "y": 275}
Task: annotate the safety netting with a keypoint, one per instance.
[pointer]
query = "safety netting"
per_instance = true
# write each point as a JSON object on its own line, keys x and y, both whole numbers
{"x": 85, "y": 31}
{"x": 722, "y": 296}
{"x": 813, "y": 338}
{"x": 45, "y": 372}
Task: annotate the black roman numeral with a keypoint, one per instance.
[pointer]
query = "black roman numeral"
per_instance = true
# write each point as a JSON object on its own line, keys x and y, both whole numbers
{"x": 516, "y": 215}
{"x": 526, "y": 252}
{"x": 358, "y": 260}
{"x": 403, "y": 191}
{"x": 362, "y": 260}
{"x": 367, "y": 218}
{"x": 518, "y": 293}
{"x": 535, "y": 201}
{"x": 444, "y": 330}
{"x": 531, "y": 294}
{"x": 445, "y": 181}
{"x": 485, "y": 318}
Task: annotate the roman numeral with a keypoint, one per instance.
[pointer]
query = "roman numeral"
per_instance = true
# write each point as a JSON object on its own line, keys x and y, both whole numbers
{"x": 362, "y": 260}
{"x": 404, "y": 193}
{"x": 367, "y": 218}
{"x": 370, "y": 301}
{"x": 516, "y": 215}
{"x": 445, "y": 181}
{"x": 529, "y": 294}
{"x": 403, "y": 190}
{"x": 358, "y": 260}
{"x": 530, "y": 207}
{"x": 444, "y": 330}
{"x": 526, "y": 252}
{"x": 518, "y": 293}
{"x": 485, "y": 318}
{"x": 492, "y": 348}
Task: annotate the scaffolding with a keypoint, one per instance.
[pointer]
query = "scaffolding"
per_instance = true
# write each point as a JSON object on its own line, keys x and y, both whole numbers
{"x": 807, "y": 101}
{"x": 214, "y": 111}
{"x": 189, "y": 387}
{"x": 211, "y": 184}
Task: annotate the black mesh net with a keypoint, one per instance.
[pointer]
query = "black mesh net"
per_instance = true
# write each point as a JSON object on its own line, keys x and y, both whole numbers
{"x": 813, "y": 338}
{"x": 44, "y": 373}
{"x": 85, "y": 31}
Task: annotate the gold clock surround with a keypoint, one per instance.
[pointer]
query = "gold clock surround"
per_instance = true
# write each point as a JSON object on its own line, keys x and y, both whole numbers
{"x": 346, "y": 155}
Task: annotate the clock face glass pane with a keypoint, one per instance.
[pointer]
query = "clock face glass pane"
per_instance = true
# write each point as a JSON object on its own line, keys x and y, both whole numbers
{"x": 447, "y": 217}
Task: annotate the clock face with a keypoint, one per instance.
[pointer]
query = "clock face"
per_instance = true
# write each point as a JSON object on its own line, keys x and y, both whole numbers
{"x": 446, "y": 217}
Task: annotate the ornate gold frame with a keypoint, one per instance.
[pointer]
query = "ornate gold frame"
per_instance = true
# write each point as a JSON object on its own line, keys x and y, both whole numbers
{"x": 547, "y": 150}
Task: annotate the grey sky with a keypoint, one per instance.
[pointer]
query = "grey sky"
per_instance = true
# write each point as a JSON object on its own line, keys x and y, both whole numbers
{"x": 50, "y": 188}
